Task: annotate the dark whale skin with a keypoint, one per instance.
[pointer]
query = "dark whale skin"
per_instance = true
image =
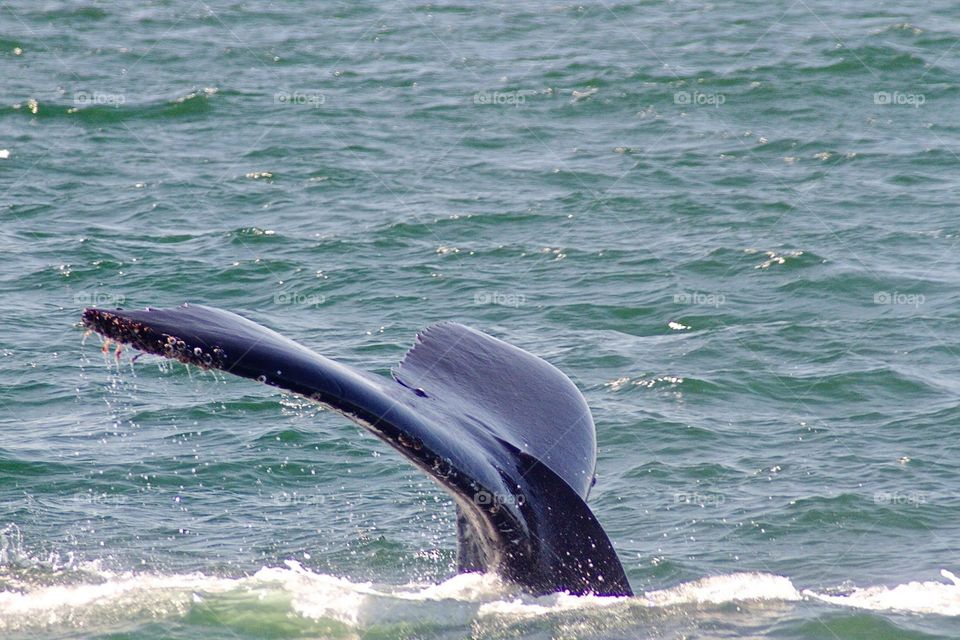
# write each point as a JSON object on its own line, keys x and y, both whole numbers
{"x": 509, "y": 436}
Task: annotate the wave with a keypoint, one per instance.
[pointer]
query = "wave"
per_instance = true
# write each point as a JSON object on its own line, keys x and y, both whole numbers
{"x": 105, "y": 600}
{"x": 94, "y": 107}
{"x": 913, "y": 597}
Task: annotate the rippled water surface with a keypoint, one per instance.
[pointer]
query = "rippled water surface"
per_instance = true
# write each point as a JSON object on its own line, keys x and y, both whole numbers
{"x": 734, "y": 225}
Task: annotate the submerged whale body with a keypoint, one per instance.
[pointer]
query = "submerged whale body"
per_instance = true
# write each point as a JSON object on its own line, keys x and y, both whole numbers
{"x": 509, "y": 436}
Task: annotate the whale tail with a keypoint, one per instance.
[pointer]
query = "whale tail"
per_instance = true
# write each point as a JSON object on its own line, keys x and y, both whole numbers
{"x": 509, "y": 436}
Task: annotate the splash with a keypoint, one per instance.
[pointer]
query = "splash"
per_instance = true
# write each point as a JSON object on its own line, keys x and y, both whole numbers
{"x": 912, "y": 597}
{"x": 292, "y": 594}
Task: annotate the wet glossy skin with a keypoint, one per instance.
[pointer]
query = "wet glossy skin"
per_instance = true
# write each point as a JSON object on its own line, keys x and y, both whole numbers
{"x": 505, "y": 433}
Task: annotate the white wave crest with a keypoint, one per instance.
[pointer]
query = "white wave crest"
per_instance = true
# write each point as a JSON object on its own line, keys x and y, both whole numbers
{"x": 913, "y": 597}
{"x": 117, "y": 600}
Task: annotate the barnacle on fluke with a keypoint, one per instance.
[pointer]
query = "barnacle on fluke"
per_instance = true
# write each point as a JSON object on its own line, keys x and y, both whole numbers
{"x": 145, "y": 338}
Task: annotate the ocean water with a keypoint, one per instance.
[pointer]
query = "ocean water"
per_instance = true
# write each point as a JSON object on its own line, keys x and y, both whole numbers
{"x": 733, "y": 225}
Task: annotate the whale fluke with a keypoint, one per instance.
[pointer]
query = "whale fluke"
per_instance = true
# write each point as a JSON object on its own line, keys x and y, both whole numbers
{"x": 506, "y": 434}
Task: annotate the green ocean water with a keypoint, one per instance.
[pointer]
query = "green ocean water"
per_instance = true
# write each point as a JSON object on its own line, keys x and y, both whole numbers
{"x": 733, "y": 225}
